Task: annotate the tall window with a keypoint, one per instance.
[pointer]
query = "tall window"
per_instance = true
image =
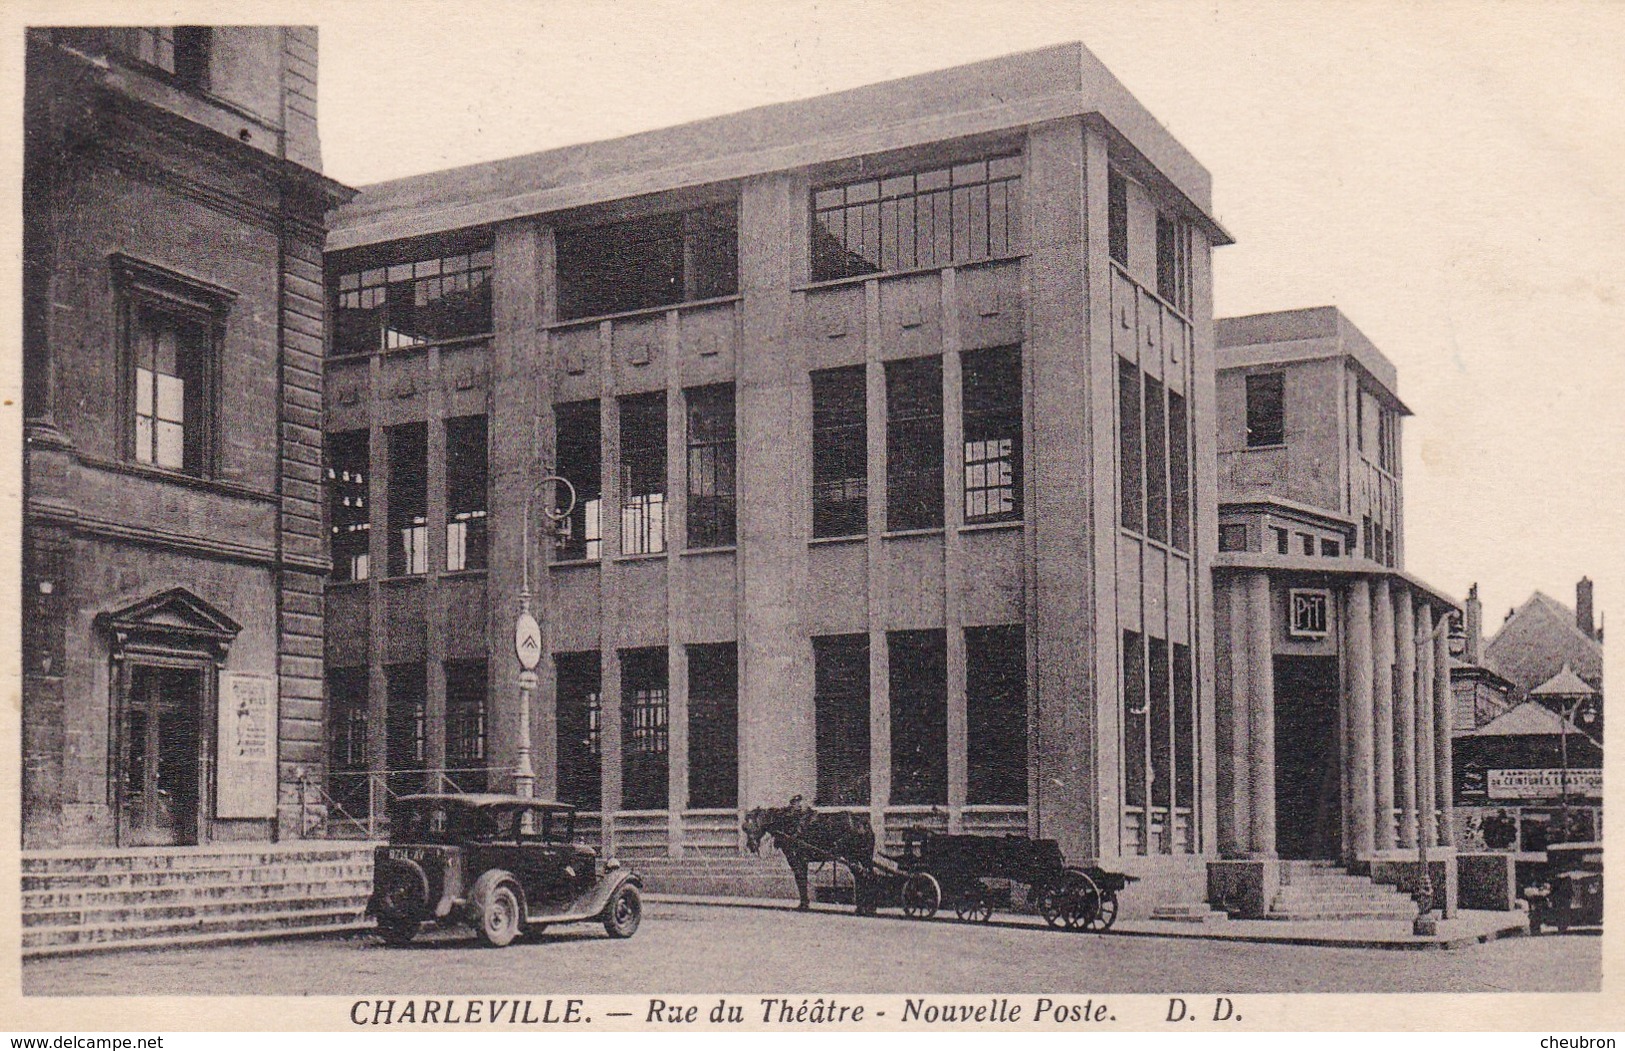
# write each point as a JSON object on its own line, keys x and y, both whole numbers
{"x": 841, "y": 719}
{"x": 1174, "y": 262}
{"x": 1130, "y": 451}
{"x": 347, "y": 739}
{"x": 466, "y": 484}
{"x": 465, "y": 724}
{"x": 992, "y": 420}
{"x": 643, "y": 474}
{"x": 1134, "y": 720}
{"x": 1266, "y": 416}
{"x": 578, "y": 458}
{"x": 649, "y": 262}
{"x": 1179, "y": 472}
{"x": 412, "y": 303}
{"x": 919, "y": 716}
{"x": 923, "y": 219}
{"x": 1156, "y": 460}
{"x": 1184, "y": 728}
{"x": 408, "y": 499}
{"x": 644, "y": 736}
{"x": 1117, "y": 218}
{"x": 914, "y": 443}
{"x": 577, "y": 721}
{"x": 406, "y": 730}
{"x": 171, "y": 359}
{"x": 711, "y": 482}
{"x": 996, "y": 714}
{"x": 1160, "y": 714}
{"x": 348, "y": 507}
{"x": 840, "y": 445}
{"x": 713, "y": 725}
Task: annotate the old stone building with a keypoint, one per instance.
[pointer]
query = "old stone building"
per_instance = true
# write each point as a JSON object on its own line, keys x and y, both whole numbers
{"x": 173, "y": 559}
{"x": 888, "y": 417}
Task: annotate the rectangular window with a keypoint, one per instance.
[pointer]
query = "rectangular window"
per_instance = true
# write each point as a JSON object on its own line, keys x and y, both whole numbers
{"x": 405, "y": 730}
{"x": 1184, "y": 728}
{"x": 578, "y": 726}
{"x": 919, "y": 716}
{"x": 840, "y": 444}
{"x": 1156, "y": 460}
{"x": 347, "y": 759}
{"x": 1283, "y": 540}
{"x": 1130, "y": 457}
{"x": 1117, "y": 218}
{"x": 1179, "y": 473}
{"x": 1307, "y": 542}
{"x": 996, "y": 714}
{"x": 653, "y": 261}
{"x": 170, "y": 357}
{"x": 408, "y": 499}
{"x": 1368, "y": 546}
{"x": 465, "y": 724}
{"x": 919, "y": 220}
{"x": 408, "y": 304}
{"x": 644, "y": 736}
{"x": 348, "y": 504}
{"x": 1160, "y": 714}
{"x": 711, "y": 480}
{"x": 713, "y": 726}
{"x": 577, "y": 456}
{"x": 1389, "y": 454}
{"x": 841, "y": 719}
{"x": 1173, "y": 262}
{"x": 1387, "y": 547}
{"x": 466, "y": 484}
{"x": 1331, "y": 549}
{"x": 643, "y": 474}
{"x": 914, "y": 443}
{"x": 1266, "y": 420}
{"x": 992, "y": 422}
{"x": 1134, "y": 720}
{"x": 1233, "y": 536}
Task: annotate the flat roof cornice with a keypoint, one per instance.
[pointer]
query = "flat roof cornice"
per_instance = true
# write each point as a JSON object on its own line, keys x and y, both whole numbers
{"x": 999, "y": 94}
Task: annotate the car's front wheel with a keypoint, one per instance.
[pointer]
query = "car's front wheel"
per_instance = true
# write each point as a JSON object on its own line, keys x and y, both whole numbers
{"x": 624, "y": 912}
{"x": 499, "y": 916}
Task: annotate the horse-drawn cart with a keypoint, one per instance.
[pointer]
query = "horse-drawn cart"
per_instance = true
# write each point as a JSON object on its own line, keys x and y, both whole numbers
{"x": 963, "y": 872}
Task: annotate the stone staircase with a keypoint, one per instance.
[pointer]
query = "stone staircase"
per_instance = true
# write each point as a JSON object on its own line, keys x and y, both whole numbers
{"x": 1323, "y": 890}
{"x": 733, "y": 876}
{"x": 89, "y": 899}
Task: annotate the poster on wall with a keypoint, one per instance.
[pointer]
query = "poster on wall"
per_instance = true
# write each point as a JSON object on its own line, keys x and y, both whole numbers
{"x": 246, "y": 770}
{"x": 1545, "y": 783}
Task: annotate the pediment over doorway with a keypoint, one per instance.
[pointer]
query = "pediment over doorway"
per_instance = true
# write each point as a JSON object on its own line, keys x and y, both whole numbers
{"x": 173, "y": 620}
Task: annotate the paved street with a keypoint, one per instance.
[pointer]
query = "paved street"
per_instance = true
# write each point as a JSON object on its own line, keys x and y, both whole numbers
{"x": 697, "y": 948}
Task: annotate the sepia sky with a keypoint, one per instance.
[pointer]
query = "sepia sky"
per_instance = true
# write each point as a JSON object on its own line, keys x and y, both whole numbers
{"x": 1447, "y": 173}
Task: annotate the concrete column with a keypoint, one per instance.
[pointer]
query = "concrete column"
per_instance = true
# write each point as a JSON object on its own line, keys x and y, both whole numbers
{"x": 676, "y": 543}
{"x": 879, "y": 654}
{"x": 434, "y": 698}
{"x": 1361, "y": 807}
{"x": 1235, "y": 751}
{"x": 1382, "y": 731}
{"x": 609, "y": 683}
{"x": 953, "y": 516}
{"x": 1443, "y": 717}
{"x": 1428, "y": 827}
{"x": 1260, "y": 717}
{"x": 1404, "y": 643}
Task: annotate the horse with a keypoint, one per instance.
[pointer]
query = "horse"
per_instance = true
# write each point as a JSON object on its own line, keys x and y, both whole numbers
{"x": 829, "y": 834}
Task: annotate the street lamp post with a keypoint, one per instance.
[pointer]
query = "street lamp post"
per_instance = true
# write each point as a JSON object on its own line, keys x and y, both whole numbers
{"x": 527, "y": 632}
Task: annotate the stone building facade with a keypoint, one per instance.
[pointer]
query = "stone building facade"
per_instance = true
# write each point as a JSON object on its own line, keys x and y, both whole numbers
{"x": 173, "y": 559}
{"x": 1332, "y": 678}
{"x": 889, "y": 421}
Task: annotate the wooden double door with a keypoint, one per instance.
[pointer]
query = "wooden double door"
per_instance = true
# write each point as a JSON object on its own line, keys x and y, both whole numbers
{"x": 162, "y": 753}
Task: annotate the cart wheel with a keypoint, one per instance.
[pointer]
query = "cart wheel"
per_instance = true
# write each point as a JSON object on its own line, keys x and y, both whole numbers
{"x": 974, "y": 905}
{"x": 1107, "y": 914}
{"x": 921, "y": 896}
{"x": 1079, "y": 901}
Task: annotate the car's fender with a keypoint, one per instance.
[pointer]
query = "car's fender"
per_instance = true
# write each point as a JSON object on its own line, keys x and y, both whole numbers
{"x": 613, "y": 881}
{"x": 488, "y": 881}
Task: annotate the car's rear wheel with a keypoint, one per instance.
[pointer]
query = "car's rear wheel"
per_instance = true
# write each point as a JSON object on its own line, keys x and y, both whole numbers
{"x": 624, "y": 912}
{"x": 499, "y": 916}
{"x": 397, "y": 931}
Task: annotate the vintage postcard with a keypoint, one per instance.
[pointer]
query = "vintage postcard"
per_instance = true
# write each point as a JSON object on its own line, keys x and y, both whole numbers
{"x": 563, "y": 517}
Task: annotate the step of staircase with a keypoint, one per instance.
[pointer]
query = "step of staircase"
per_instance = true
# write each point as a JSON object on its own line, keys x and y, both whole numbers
{"x": 1324, "y": 891}
{"x": 1199, "y": 913}
{"x": 83, "y": 900}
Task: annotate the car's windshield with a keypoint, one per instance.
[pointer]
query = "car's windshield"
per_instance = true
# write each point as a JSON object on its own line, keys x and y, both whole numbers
{"x": 450, "y": 822}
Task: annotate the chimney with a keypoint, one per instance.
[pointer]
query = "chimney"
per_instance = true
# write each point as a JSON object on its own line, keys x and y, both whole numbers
{"x": 1475, "y": 628}
{"x": 1582, "y": 608}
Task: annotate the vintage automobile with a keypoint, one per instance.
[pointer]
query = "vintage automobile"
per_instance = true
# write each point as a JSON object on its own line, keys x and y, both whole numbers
{"x": 1569, "y": 893}
{"x": 505, "y": 865}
